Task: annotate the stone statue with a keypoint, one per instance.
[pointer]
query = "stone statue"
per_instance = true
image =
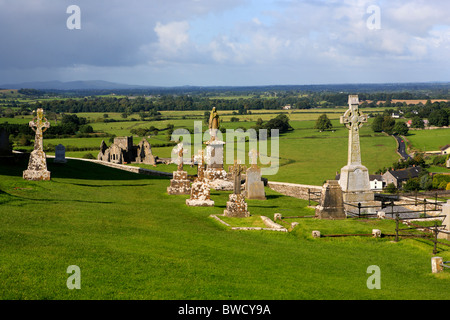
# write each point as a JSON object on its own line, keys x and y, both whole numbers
{"x": 214, "y": 123}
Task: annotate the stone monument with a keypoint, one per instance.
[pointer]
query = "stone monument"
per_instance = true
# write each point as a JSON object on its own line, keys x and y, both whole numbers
{"x": 354, "y": 178}
{"x": 60, "y": 154}
{"x": 215, "y": 174}
{"x": 200, "y": 189}
{"x": 331, "y": 202}
{"x": 180, "y": 183}
{"x": 236, "y": 205}
{"x": 37, "y": 164}
{"x": 254, "y": 186}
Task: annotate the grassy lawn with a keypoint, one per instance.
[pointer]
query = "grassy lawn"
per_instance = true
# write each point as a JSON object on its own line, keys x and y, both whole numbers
{"x": 133, "y": 241}
{"x": 429, "y": 140}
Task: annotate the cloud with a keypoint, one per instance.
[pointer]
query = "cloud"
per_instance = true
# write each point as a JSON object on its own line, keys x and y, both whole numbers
{"x": 173, "y": 36}
{"x": 226, "y": 42}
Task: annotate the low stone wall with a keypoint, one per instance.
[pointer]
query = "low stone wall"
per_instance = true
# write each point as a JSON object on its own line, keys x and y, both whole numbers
{"x": 135, "y": 169}
{"x": 125, "y": 167}
{"x": 294, "y": 190}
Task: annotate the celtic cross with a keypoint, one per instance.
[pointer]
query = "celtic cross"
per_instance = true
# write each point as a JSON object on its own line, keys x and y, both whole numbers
{"x": 200, "y": 160}
{"x": 236, "y": 170}
{"x": 39, "y": 124}
{"x": 181, "y": 152}
{"x": 253, "y": 155}
{"x": 353, "y": 120}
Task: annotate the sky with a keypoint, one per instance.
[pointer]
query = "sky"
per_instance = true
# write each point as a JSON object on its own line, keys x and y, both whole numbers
{"x": 226, "y": 42}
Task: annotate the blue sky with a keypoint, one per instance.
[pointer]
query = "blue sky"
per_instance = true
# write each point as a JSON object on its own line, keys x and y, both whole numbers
{"x": 226, "y": 42}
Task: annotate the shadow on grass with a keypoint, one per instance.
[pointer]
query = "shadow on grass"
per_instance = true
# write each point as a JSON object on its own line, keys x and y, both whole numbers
{"x": 106, "y": 185}
{"x": 274, "y": 196}
{"x": 7, "y": 197}
{"x": 74, "y": 169}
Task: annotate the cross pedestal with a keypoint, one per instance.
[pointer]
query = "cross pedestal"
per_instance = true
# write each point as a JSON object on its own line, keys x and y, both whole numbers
{"x": 214, "y": 173}
{"x": 236, "y": 205}
{"x": 180, "y": 183}
{"x": 200, "y": 189}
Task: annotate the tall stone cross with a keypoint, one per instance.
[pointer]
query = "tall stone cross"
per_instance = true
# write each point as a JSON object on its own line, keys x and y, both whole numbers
{"x": 236, "y": 170}
{"x": 353, "y": 119}
{"x": 200, "y": 163}
{"x": 39, "y": 125}
{"x": 253, "y": 154}
{"x": 181, "y": 152}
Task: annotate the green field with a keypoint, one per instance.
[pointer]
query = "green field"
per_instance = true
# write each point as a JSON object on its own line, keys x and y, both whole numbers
{"x": 429, "y": 140}
{"x": 306, "y": 155}
{"x": 133, "y": 241}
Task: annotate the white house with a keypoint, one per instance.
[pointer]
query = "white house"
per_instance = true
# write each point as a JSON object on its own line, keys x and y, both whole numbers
{"x": 376, "y": 182}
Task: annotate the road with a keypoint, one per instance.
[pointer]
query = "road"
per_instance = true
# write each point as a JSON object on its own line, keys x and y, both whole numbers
{"x": 402, "y": 148}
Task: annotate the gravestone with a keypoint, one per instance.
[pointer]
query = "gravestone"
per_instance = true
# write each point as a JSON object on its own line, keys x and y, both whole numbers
{"x": 331, "y": 202}
{"x": 254, "y": 186}
{"x": 60, "y": 154}
{"x": 354, "y": 178}
{"x": 180, "y": 183}
{"x": 37, "y": 164}
{"x": 236, "y": 205}
{"x": 200, "y": 189}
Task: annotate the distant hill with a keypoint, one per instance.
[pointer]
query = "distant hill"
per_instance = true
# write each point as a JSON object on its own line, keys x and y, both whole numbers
{"x": 100, "y": 86}
{"x": 71, "y": 85}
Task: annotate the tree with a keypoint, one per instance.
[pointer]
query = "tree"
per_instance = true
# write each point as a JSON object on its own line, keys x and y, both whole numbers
{"x": 280, "y": 122}
{"x": 323, "y": 123}
{"x": 86, "y": 129}
{"x": 206, "y": 115}
{"x": 390, "y": 188}
{"x": 426, "y": 182}
{"x": 400, "y": 128}
{"x": 412, "y": 184}
{"x": 438, "y": 118}
{"x": 440, "y": 181}
{"x": 417, "y": 122}
{"x": 377, "y": 124}
{"x": 388, "y": 124}
{"x": 259, "y": 122}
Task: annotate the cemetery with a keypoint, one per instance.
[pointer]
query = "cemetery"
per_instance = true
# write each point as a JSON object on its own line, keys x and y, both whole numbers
{"x": 203, "y": 227}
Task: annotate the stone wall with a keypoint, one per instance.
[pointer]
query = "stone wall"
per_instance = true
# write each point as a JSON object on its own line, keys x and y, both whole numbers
{"x": 294, "y": 190}
{"x": 125, "y": 167}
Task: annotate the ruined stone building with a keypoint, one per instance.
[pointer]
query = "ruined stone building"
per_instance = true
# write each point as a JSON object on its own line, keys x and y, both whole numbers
{"x": 123, "y": 151}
